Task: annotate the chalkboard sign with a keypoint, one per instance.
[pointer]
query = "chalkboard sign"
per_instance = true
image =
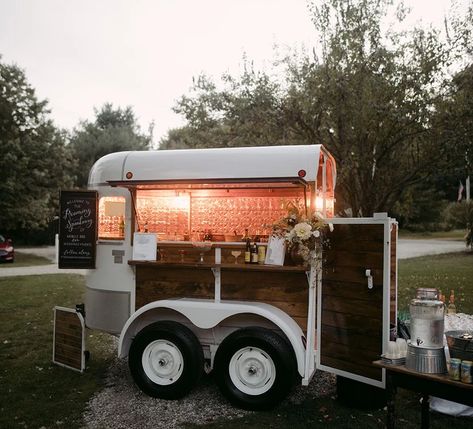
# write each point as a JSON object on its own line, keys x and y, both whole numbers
{"x": 77, "y": 229}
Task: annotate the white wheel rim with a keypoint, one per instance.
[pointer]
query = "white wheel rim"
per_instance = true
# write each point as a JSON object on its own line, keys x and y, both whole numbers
{"x": 162, "y": 362}
{"x": 252, "y": 371}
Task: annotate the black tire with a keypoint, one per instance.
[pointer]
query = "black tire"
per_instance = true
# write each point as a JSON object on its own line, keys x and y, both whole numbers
{"x": 253, "y": 349}
{"x": 162, "y": 342}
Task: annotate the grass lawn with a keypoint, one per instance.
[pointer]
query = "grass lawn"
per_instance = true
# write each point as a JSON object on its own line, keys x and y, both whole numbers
{"x": 25, "y": 260}
{"x": 34, "y": 392}
{"x": 456, "y": 234}
{"x": 445, "y": 272}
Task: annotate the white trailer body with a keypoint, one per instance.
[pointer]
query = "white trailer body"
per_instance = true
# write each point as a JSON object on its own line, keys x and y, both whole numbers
{"x": 264, "y": 338}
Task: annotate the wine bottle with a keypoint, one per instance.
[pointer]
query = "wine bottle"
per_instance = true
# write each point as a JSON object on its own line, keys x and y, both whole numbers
{"x": 451, "y": 309}
{"x": 248, "y": 252}
{"x": 254, "y": 253}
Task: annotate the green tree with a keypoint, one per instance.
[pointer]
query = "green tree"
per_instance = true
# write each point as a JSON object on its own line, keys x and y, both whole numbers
{"x": 246, "y": 111}
{"x": 113, "y": 130}
{"x": 368, "y": 96}
{"x": 34, "y": 159}
{"x": 371, "y": 97}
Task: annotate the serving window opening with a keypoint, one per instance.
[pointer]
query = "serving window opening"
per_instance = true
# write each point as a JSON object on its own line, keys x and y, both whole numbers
{"x": 226, "y": 213}
{"x": 112, "y": 218}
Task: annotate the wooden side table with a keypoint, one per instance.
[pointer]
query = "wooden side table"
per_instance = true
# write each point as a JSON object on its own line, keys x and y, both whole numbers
{"x": 426, "y": 384}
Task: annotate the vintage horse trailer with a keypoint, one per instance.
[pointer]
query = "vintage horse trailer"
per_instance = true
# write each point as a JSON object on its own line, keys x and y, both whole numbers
{"x": 195, "y": 305}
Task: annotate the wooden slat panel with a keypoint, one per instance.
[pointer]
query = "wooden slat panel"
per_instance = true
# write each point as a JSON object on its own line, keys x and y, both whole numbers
{"x": 350, "y": 338}
{"x": 351, "y": 234}
{"x": 355, "y": 354}
{"x": 353, "y": 258}
{"x": 351, "y": 325}
{"x": 354, "y": 368}
{"x": 352, "y": 290}
{"x": 359, "y": 307}
{"x": 286, "y": 291}
{"x": 156, "y": 283}
{"x": 68, "y": 334}
{"x": 352, "y": 274}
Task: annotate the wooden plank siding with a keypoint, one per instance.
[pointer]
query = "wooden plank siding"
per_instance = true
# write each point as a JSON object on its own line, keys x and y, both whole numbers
{"x": 287, "y": 291}
{"x": 68, "y": 339}
{"x": 155, "y": 283}
{"x": 352, "y": 314}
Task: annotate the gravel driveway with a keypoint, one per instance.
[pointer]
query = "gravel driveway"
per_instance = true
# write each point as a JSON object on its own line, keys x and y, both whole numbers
{"x": 122, "y": 406}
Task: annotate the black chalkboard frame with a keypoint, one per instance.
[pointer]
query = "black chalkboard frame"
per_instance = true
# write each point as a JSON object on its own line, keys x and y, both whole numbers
{"x": 78, "y": 228}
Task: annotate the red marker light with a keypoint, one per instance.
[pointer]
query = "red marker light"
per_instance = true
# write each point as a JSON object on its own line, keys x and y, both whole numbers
{"x": 301, "y": 173}
{"x": 129, "y": 175}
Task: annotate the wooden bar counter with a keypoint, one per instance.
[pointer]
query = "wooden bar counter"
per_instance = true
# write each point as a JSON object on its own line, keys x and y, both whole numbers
{"x": 285, "y": 287}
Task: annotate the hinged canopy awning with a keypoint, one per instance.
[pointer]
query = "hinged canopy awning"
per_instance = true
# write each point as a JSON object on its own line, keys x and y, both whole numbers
{"x": 258, "y": 183}
{"x": 296, "y": 165}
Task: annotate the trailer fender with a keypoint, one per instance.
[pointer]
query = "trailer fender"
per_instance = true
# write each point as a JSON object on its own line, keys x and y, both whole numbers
{"x": 207, "y": 314}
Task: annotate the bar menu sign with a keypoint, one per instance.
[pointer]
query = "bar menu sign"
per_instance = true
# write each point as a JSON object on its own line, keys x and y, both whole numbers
{"x": 77, "y": 229}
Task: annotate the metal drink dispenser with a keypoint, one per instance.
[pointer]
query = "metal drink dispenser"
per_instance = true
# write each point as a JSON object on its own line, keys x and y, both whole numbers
{"x": 427, "y": 322}
{"x": 425, "y": 352}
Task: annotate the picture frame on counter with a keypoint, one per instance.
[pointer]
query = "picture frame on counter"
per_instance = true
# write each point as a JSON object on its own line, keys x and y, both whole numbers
{"x": 276, "y": 251}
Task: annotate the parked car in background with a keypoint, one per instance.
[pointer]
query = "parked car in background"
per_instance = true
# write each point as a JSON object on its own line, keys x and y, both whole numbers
{"x": 7, "y": 252}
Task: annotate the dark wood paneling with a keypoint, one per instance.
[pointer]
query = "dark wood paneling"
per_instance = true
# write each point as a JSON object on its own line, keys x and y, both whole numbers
{"x": 351, "y": 274}
{"x": 351, "y": 325}
{"x": 353, "y": 258}
{"x": 352, "y": 233}
{"x": 287, "y": 291}
{"x": 364, "y": 308}
{"x": 349, "y": 290}
{"x": 352, "y": 339}
{"x": 156, "y": 283}
{"x": 355, "y": 368}
{"x": 68, "y": 339}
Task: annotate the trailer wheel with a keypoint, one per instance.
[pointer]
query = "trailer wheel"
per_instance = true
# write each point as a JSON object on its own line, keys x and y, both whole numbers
{"x": 166, "y": 360}
{"x": 255, "y": 368}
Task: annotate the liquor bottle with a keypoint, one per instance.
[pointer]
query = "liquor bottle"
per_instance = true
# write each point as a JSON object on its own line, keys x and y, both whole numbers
{"x": 248, "y": 252}
{"x": 254, "y": 253}
{"x": 246, "y": 237}
{"x": 261, "y": 254}
{"x": 451, "y": 309}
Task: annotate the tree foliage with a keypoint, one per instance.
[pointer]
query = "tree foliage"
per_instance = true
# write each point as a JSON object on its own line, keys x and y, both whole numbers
{"x": 369, "y": 96}
{"x": 113, "y": 130}
{"x": 34, "y": 159}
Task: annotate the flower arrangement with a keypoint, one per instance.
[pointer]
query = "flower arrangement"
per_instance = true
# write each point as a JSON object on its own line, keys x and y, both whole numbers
{"x": 301, "y": 233}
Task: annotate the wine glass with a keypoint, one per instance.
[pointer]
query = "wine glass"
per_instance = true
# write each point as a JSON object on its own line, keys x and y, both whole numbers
{"x": 236, "y": 254}
{"x": 203, "y": 246}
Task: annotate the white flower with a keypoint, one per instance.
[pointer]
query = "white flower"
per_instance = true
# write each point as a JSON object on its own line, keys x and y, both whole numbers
{"x": 303, "y": 230}
{"x": 316, "y": 233}
{"x": 330, "y": 226}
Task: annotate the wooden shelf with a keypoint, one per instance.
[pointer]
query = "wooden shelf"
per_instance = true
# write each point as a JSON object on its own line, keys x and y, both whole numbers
{"x": 226, "y": 267}
{"x": 211, "y": 244}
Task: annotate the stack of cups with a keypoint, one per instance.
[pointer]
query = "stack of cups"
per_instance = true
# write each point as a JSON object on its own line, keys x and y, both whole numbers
{"x": 397, "y": 349}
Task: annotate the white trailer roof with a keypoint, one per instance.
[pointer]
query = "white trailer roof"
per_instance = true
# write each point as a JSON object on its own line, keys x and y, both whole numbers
{"x": 267, "y": 162}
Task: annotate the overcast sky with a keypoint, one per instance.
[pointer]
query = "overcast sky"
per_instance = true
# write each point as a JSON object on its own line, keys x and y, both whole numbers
{"x": 80, "y": 54}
